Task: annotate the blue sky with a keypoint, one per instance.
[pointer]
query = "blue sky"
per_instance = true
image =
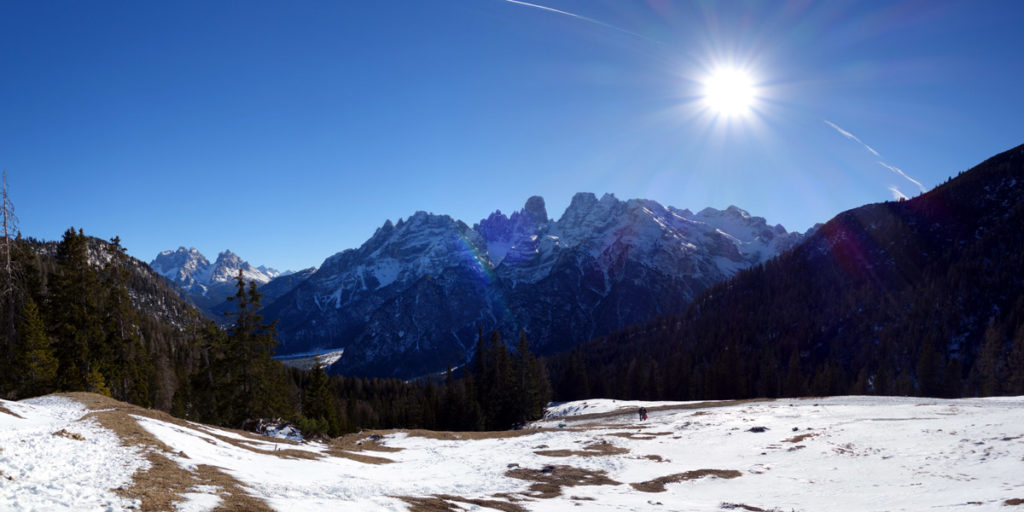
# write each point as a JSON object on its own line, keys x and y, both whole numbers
{"x": 288, "y": 131}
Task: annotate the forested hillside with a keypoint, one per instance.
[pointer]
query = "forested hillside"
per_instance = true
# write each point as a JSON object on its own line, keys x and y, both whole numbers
{"x": 922, "y": 296}
{"x": 81, "y": 315}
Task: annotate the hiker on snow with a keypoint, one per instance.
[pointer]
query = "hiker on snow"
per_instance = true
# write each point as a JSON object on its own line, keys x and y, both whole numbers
{"x": 643, "y": 413}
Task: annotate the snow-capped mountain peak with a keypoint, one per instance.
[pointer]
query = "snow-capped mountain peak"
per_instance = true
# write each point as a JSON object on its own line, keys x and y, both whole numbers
{"x": 207, "y": 283}
{"x": 412, "y": 297}
{"x": 183, "y": 266}
{"x": 226, "y": 268}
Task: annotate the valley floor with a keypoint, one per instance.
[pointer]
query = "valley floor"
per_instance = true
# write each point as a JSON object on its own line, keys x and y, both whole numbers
{"x": 85, "y": 452}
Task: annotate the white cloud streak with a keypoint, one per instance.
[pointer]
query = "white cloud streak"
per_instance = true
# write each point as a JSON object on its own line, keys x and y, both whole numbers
{"x": 896, "y": 194}
{"x": 891, "y": 167}
{"x": 577, "y": 16}
{"x": 850, "y": 136}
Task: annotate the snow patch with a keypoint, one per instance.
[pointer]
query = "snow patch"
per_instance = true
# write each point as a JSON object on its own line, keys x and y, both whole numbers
{"x": 43, "y": 471}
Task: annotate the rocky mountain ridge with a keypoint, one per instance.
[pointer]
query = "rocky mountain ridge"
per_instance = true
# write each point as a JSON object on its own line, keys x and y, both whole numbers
{"x": 412, "y": 299}
{"x": 208, "y": 284}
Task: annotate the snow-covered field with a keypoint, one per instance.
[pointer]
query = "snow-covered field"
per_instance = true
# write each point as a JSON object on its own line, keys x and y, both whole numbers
{"x": 52, "y": 459}
{"x": 843, "y": 453}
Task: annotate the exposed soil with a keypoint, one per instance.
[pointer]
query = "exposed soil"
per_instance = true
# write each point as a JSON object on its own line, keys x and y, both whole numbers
{"x": 353, "y": 446}
{"x": 1014, "y": 502}
{"x": 801, "y": 437}
{"x": 468, "y": 436}
{"x": 658, "y": 484}
{"x": 160, "y": 486}
{"x": 596, "y": 449}
{"x": 640, "y": 436}
{"x": 549, "y": 480}
{"x": 447, "y": 503}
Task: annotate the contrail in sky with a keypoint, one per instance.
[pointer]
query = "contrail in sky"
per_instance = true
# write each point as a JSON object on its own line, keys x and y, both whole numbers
{"x": 579, "y": 17}
{"x": 896, "y": 193}
{"x": 852, "y": 137}
{"x": 899, "y": 171}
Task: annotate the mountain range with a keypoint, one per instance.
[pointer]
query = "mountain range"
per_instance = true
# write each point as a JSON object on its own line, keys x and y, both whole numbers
{"x": 414, "y": 297}
{"x": 207, "y": 284}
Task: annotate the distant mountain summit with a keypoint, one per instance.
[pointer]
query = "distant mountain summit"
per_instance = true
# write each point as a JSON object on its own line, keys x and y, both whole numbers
{"x": 411, "y": 299}
{"x": 208, "y": 284}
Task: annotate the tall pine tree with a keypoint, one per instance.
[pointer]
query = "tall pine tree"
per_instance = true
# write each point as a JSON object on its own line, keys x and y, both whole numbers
{"x": 75, "y": 316}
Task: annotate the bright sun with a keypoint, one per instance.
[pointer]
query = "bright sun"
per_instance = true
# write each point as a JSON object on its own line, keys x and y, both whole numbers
{"x": 729, "y": 92}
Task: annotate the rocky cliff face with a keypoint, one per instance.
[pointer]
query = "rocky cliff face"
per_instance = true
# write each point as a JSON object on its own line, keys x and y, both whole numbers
{"x": 411, "y": 300}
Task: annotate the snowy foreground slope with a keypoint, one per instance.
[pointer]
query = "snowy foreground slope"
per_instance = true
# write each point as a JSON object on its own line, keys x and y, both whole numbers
{"x": 844, "y": 453}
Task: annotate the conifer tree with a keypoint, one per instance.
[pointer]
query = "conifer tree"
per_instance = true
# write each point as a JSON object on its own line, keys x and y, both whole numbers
{"x": 258, "y": 379}
{"x": 37, "y": 367}
{"x": 75, "y": 314}
{"x": 210, "y": 394}
{"x": 318, "y": 403}
{"x": 930, "y": 370}
{"x": 533, "y": 389}
{"x": 987, "y": 374}
{"x": 1015, "y": 382}
{"x": 794, "y": 385}
{"x": 125, "y": 360}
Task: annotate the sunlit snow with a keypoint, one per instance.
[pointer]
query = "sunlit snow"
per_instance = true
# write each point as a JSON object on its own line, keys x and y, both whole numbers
{"x": 843, "y": 453}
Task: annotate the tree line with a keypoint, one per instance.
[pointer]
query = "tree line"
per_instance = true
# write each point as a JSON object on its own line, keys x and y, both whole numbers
{"x": 81, "y": 315}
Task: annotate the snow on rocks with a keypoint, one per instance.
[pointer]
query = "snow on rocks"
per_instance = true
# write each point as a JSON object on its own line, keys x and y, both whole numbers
{"x": 52, "y": 459}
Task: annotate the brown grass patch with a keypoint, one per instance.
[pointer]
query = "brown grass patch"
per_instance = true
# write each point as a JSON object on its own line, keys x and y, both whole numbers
{"x": 655, "y": 458}
{"x": 640, "y": 436}
{"x": 352, "y": 446}
{"x": 471, "y": 436}
{"x": 1014, "y": 502}
{"x": 8, "y": 411}
{"x": 102, "y": 405}
{"x": 160, "y": 487}
{"x": 596, "y": 449}
{"x": 658, "y": 484}
{"x": 549, "y": 480}
{"x": 801, "y": 437}
{"x": 447, "y": 503}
